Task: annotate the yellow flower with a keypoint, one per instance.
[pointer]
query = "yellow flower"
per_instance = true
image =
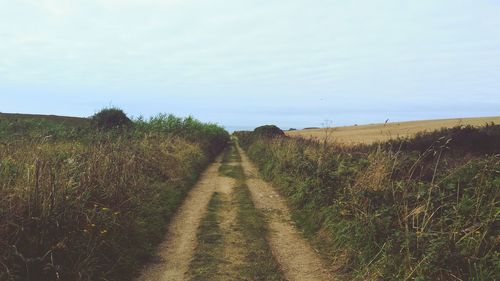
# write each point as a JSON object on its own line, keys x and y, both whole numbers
{"x": 105, "y": 209}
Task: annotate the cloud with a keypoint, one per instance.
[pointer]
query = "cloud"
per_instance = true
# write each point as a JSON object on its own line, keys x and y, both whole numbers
{"x": 268, "y": 51}
{"x": 53, "y": 8}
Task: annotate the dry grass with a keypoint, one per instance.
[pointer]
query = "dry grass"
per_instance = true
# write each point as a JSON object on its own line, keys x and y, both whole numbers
{"x": 368, "y": 134}
{"x": 66, "y": 206}
{"x": 80, "y": 204}
{"x": 393, "y": 214}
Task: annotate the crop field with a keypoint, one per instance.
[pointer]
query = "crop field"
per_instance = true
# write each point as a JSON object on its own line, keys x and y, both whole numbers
{"x": 367, "y": 134}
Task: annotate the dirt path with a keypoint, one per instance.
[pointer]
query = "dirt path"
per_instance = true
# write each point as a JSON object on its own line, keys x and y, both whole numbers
{"x": 298, "y": 259}
{"x": 176, "y": 252}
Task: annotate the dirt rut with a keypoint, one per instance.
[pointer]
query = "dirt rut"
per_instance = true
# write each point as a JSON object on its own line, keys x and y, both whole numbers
{"x": 298, "y": 259}
{"x": 176, "y": 252}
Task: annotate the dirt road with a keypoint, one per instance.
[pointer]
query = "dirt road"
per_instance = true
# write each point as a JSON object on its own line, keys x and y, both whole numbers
{"x": 297, "y": 259}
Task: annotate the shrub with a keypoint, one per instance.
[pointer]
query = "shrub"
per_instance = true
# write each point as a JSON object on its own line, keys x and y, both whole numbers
{"x": 110, "y": 118}
{"x": 268, "y": 131}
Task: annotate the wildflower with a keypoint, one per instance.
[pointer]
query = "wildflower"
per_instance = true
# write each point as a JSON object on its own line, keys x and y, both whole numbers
{"x": 105, "y": 209}
{"x": 104, "y": 232}
{"x": 116, "y": 213}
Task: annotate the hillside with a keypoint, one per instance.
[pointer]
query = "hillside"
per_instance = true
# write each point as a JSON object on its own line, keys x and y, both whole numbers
{"x": 76, "y": 121}
{"x": 381, "y": 132}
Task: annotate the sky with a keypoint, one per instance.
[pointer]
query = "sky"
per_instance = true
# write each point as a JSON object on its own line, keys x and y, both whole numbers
{"x": 244, "y": 63}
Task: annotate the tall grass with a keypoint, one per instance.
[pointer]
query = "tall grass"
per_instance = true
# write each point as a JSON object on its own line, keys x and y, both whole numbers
{"x": 381, "y": 213}
{"x": 93, "y": 206}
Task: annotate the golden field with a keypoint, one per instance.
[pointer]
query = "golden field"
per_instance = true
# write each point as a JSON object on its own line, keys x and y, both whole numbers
{"x": 381, "y": 132}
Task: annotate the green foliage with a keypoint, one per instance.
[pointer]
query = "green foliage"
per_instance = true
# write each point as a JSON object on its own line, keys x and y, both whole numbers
{"x": 260, "y": 263}
{"x": 110, "y": 118}
{"x": 210, "y": 136}
{"x": 209, "y": 251}
{"x": 390, "y": 215}
{"x": 91, "y": 205}
{"x": 231, "y": 171}
{"x": 268, "y": 131}
{"x": 231, "y": 155}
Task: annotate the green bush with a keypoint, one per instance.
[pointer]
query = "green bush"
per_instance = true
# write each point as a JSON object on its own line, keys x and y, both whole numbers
{"x": 111, "y": 118}
{"x": 268, "y": 131}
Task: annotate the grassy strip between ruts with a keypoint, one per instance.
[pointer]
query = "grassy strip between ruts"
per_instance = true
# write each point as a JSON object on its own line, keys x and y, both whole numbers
{"x": 208, "y": 253}
{"x": 260, "y": 263}
{"x": 231, "y": 155}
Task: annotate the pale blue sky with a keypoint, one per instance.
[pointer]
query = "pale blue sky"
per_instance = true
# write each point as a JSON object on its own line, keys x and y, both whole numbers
{"x": 242, "y": 63}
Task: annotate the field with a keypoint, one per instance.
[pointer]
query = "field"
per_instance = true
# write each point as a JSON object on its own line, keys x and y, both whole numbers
{"x": 367, "y": 134}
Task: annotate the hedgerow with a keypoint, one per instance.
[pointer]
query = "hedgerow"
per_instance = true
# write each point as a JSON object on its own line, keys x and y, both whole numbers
{"x": 86, "y": 204}
{"x": 392, "y": 212}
